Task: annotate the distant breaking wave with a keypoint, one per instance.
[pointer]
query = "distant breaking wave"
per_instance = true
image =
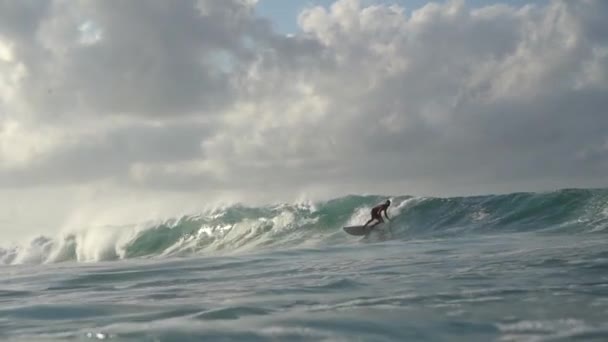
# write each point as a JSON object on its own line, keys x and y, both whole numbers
{"x": 242, "y": 228}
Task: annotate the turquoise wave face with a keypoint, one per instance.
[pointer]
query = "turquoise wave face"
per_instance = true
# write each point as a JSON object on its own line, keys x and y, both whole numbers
{"x": 242, "y": 228}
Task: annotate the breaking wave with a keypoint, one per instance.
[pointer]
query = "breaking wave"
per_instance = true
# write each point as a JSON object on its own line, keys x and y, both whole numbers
{"x": 242, "y": 228}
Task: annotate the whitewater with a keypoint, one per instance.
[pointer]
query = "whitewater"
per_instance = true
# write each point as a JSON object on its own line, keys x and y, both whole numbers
{"x": 512, "y": 267}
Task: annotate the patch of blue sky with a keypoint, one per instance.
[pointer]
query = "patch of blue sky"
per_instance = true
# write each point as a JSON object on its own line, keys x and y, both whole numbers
{"x": 284, "y": 13}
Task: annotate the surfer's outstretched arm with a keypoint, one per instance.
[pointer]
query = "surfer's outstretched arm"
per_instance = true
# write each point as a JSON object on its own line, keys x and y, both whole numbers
{"x": 386, "y": 214}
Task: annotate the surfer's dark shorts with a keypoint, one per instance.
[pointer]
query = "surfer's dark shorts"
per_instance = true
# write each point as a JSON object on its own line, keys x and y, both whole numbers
{"x": 376, "y": 215}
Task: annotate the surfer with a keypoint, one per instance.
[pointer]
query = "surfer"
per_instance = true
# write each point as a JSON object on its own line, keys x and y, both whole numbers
{"x": 377, "y": 214}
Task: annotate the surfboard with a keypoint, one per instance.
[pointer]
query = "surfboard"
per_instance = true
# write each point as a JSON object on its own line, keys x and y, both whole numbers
{"x": 357, "y": 230}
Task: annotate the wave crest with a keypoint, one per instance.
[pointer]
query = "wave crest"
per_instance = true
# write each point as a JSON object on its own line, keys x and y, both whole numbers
{"x": 242, "y": 228}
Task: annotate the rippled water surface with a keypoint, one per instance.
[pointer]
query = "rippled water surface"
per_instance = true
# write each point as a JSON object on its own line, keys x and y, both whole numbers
{"x": 505, "y": 287}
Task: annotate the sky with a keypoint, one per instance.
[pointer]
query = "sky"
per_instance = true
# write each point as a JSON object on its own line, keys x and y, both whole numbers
{"x": 114, "y": 112}
{"x": 283, "y": 14}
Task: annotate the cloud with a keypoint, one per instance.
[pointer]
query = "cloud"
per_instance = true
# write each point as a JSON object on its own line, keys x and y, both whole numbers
{"x": 107, "y": 152}
{"x": 201, "y": 96}
{"x": 135, "y": 58}
{"x": 449, "y": 95}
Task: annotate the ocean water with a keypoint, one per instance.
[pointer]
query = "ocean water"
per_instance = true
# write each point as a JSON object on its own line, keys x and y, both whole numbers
{"x": 518, "y": 267}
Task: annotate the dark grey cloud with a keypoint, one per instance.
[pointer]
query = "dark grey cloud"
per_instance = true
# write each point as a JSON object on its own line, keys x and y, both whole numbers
{"x": 20, "y": 19}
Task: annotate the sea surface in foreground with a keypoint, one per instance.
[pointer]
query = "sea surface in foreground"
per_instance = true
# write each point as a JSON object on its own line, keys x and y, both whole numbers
{"x": 500, "y": 287}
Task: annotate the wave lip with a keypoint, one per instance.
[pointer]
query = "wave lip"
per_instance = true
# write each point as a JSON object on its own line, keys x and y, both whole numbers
{"x": 243, "y": 228}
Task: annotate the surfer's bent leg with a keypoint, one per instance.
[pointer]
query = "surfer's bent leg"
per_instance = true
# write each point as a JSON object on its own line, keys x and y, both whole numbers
{"x": 380, "y": 220}
{"x": 377, "y": 217}
{"x": 374, "y": 217}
